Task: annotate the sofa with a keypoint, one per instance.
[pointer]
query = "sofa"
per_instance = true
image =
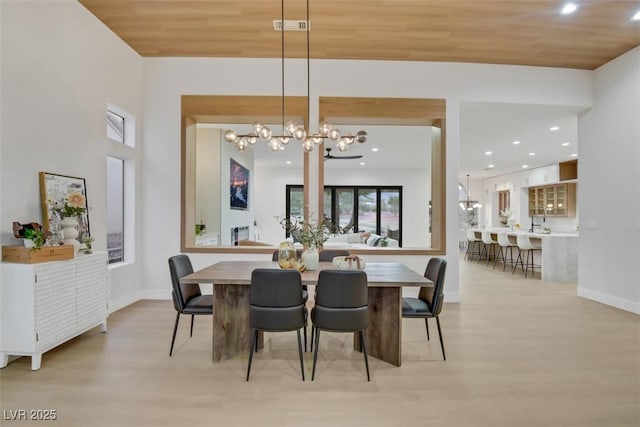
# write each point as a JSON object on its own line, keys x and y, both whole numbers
{"x": 359, "y": 241}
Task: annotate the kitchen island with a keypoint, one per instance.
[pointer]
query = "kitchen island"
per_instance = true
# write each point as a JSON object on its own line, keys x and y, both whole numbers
{"x": 558, "y": 257}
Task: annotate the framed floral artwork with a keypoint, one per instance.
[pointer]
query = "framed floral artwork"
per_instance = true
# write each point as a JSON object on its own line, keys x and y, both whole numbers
{"x": 64, "y": 196}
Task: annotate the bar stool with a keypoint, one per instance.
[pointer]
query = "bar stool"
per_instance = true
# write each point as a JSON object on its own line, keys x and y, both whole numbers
{"x": 489, "y": 245}
{"x": 472, "y": 242}
{"x": 504, "y": 243}
{"x": 525, "y": 244}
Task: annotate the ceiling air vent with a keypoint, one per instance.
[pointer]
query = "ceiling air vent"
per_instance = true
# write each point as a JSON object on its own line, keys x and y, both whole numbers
{"x": 290, "y": 25}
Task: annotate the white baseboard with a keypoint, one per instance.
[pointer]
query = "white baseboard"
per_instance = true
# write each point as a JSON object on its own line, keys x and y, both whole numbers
{"x": 155, "y": 294}
{"x": 122, "y": 302}
{"x": 623, "y": 304}
{"x": 452, "y": 297}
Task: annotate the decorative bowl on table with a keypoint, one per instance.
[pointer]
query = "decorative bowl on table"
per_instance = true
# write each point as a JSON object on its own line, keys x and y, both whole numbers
{"x": 351, "y": 262}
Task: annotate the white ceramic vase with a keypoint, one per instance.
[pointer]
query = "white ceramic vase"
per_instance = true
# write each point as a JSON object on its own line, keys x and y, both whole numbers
{"x": 70, "y": 231}
{"x": 310, "y": 257}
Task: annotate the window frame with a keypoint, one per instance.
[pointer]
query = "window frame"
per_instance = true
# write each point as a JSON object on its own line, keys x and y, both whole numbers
{"x": 126, "y": 152}
{"x": 356, "y": 208}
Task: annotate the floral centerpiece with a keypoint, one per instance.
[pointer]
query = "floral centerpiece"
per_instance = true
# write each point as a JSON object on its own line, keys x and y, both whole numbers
{"x": 505, "y": 215}
{"x": 311, "y": 234}
{"x": 74, "y": 205}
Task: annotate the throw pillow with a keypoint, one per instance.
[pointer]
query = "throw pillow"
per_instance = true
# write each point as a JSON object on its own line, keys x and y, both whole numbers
{"x": 373, "y": 238}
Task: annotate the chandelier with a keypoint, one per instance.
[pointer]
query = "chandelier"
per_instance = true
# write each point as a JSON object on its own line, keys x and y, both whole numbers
{"x": 469, "y": 204}
{"x": 291, "y": 130}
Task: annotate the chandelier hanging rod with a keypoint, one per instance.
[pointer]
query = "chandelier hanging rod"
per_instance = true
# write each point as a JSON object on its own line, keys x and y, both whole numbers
{"x": 292, "y": 130}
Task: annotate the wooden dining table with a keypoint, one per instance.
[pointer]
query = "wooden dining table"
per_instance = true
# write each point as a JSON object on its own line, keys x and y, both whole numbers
{"x": 231, "y": 290}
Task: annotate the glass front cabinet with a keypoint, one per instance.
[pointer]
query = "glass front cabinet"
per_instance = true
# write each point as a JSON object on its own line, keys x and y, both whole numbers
{"x": 553, "y": 200}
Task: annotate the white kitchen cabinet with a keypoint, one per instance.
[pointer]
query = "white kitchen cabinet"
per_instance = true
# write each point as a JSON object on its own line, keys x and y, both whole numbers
{"x": 44, "y": 305}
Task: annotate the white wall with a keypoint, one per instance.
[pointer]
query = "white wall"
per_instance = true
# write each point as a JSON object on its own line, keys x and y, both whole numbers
{"x": 166, "y": 79}
{"x": 609, "y": 192}
{"x": 61, "y": 67}
{"x": 208, "y": 188}
{"x": 270, "y": 197}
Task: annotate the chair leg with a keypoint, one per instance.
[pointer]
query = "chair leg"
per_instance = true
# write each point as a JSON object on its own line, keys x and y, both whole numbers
{"x": 469, "y": 249}
{"x": 175, "y": 329}
{"x": 363, "y": 345}
{"x": 253, "y": 345}
{"x": 315, "y": 354}
{"x": 504, "y": 266}
{"x": 426, "y": 324}
{"x": 313, "y": 331}
{"x": 440, "y": 334}
{"x": 191, "y": 332}
{"x": 305, "y": 338}
{"x": 526, "y": 269}
{"x": 490, "y": 250}
{"x": 515, "y": 265}
{"x": 483, "y": 249}
{"x": 255, "y": 340}
{"x": 495, "y": 259}
{"x": 300, "y": 352}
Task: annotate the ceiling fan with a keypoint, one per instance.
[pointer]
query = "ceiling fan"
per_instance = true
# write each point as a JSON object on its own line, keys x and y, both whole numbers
{"x": 329, "y": 156}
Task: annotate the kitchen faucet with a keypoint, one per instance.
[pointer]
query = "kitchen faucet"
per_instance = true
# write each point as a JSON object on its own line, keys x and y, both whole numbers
{"x": 533, "y": 224}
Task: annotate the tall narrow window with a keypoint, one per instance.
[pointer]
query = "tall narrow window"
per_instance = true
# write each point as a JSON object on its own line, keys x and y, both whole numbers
{"x": 390, "y": 213}
{"x": 115, "y": 209}
{"x": 345, "y": 212}
{"x": 115, "y": 127}
{"x": 296, "y": 202}
{"x": 367, "y": 210}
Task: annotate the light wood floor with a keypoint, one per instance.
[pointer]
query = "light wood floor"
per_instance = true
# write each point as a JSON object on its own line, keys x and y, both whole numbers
{"x": 520, "y": 352}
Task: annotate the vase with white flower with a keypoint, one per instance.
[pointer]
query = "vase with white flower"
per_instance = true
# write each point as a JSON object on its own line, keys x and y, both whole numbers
{"x": 74, "y": 205}
{"x": 504, "y": 217}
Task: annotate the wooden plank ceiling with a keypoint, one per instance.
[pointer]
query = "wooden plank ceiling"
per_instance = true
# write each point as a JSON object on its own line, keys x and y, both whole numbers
{"x": 520, "y": 32}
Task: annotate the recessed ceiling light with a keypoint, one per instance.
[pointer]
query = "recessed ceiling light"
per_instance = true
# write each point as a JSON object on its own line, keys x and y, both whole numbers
{"x": 516, "y": 142}
{"x": 574, "y": 155}
{"x": 554, "y": 128}
{"x": 636, "y": 17}
{"x": 488, "y": 153}
{"x": 525, "y": 166}
{"x": 362, "y": 163}
{"x": 565, "y": 144}
{"x": 288, "y": 162}
{"x": 532, "y": 154}
{"x": 374, "y": 149}
{"x": 569, "y": 8}
{"x": 491, "y": 166}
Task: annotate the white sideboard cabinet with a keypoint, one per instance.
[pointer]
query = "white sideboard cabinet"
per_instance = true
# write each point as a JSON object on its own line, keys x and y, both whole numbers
{"x": 44, "y": 305}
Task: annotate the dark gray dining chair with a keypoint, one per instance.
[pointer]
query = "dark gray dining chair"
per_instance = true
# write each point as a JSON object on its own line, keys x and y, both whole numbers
{"x": 276, "y": 305}
{"x": 327, "y": 255}
{"x": 430, "y": 299}
{"x": 187, "y": 298}
{"x": 341, "y": 306}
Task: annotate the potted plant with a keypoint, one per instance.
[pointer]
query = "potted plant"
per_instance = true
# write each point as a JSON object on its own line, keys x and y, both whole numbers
{"x": 34, "y": 238}
{"x": 311, "y": 234}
